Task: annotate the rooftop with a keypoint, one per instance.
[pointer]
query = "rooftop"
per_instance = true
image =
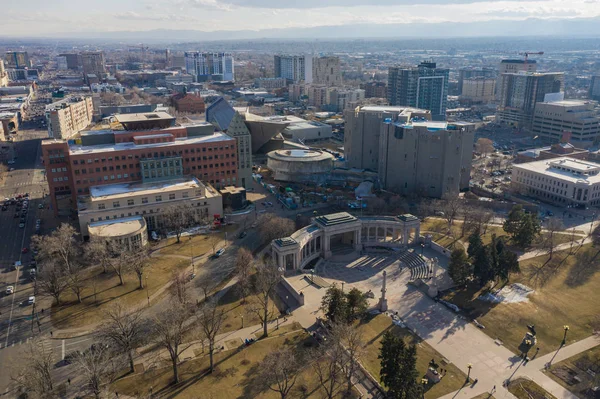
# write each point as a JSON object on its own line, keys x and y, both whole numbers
{"x": 568, "y": 169}
{"x": 117, "y": 227}
{"x": 335, "y": 219}
{"x": 123, "y": 190}
{"x": 299, "y": 155}
{"x": 142, "y": 117}
{"x": 65, "y": 102}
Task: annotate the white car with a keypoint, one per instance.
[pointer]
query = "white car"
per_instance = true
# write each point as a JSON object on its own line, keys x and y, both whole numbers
{"x": 31, "y": 300}
{"x": 10, "y": 290}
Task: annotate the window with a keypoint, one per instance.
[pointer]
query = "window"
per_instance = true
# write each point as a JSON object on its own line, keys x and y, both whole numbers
{"x": 158, "y": 198}
{"x": 130, "y": 202}
{"x": 101, "y": 206}
{"x": 116, "y": 204}
{"x": 144, "y": 200}
{"x": 185, "y": 195}
{"x": 171, "y": 196}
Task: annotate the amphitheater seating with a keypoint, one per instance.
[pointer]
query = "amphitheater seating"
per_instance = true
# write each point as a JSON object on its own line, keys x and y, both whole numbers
{"x": 417, "y": 265}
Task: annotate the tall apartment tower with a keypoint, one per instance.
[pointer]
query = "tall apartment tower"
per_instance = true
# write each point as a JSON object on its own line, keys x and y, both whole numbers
{"x": 512, "y": 66}
{"x": 424, "y": 86}
{"x": 520, "y": 92}
{"x": 363, "y": 129}
{"x": 294, "y": 68}
{"x": 93, "y": 63}
{"x": 67, "y": 117}
{"x": 470, "y": 73}
{"x": 434, "y": 157}
{"x": 210, "y": 66}
{"x": 595, "y": 88}
{"x": 327, "y": 71}
{"x": 3, "y": 75}
{"x": 17, "y": 60}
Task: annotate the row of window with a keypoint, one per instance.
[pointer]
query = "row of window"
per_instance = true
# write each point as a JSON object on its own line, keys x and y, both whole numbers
{"x": 144, "y": 200}
{"x": 151, "y": 211}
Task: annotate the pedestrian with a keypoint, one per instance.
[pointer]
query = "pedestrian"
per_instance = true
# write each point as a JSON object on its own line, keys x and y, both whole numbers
{"x": 51, "y": 333}
{"x": 69, "y": 381}
{"x": 42, "y": 310}
{"x": 493, "y": 389}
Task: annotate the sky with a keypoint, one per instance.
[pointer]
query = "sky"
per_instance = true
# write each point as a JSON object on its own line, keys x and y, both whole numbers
{"x": 40, "y": 17}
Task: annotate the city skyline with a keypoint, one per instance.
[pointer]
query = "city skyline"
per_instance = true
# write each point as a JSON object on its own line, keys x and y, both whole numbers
{"x": 39, "y": 18}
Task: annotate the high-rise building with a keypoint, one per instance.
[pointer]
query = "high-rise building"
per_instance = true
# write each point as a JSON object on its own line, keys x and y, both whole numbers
{"x": 17, "y": 59}
{"x": 93, "y": 63}
{"x": 210, "y": 66}
{"x": 145, "y": 151}
{"x": 434, "y": 157}
{"x": 513, "y": 66}
{"x": 575, "y": 121}
{"x": 473, "y": 72}
{"x": 520, "y": 92}
{"x": 67, "y": 117}
{"x": 363, "y": 128}
{"x": 375, "y": 89}
{"x": 478, "y": 90}
{"x": 294, "y": 68}
{"x": 3, "y": 75}
{"x": 327, "y": 71}
{"x": 424, "y": 86}
{"x": 341, "y": 99}
{"x": 595, "y": 88}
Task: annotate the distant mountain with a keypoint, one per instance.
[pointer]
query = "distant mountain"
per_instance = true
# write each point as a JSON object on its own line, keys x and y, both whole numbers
{"x": 582, "y": 27}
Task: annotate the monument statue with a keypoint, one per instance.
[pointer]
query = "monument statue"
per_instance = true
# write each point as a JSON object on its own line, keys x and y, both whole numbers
{"x": 383, "y": 306}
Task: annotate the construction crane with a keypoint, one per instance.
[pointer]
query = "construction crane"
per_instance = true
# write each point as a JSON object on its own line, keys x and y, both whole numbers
{"x": 528, "y": 53}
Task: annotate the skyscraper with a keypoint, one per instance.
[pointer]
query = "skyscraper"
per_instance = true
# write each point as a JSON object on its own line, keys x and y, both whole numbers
{"x": 3, "y": 75}
{"x": 513, "y": 66}
{"x": 470, "y": 72}
{"x": 210, "y": 66}
{"x": 520, "y": 92}
{"x": 17, "y": 59}
{"x": 294, "y": 68}
{"x": 595, "y": 88}
{"x": 424, "y": 86}
{"x": 327, "y": 71}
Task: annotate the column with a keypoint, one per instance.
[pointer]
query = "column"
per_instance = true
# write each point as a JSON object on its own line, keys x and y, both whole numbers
{"x": 417, "y": 234}
{"x": 405, "y": 235}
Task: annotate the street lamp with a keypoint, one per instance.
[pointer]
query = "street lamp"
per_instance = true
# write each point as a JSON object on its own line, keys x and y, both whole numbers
{"x": 424, "y": 382}
{"x": 147, "y": 290}
{"x": 564, "y": 341}
{"x": 422, "y": 247}
{"x": 469, "y": 366}
{"x": 242, "y": 321}
{"x": 312, "y": 275}
{"x": 192, "y": 256}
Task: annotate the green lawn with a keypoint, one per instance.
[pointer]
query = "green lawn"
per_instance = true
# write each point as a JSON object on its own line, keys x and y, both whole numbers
{"x": 72, "y": 314}
{"x": 573, "y": 373}
{"x": 234, "y": 377}
{"x": 526, "y": 389}
{"x": 373, "y": 331}
{"x": 566, "y": 293}
{"x": 484, "y": 396}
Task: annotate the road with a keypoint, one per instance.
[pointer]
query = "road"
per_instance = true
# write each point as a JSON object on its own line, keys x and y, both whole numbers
{"x": 15, "y": 315}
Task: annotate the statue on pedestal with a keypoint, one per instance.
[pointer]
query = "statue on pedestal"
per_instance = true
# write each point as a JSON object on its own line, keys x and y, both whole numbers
{"x": 383, "y": 306}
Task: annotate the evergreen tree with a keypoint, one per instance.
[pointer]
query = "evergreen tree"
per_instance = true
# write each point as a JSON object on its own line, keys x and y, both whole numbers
{"x": 412, "y": 389}
{"x": 530, "y": 228}
{"x": 357, "y": 303}
{"x": 475, "y": 244}
{"x": 509, "y": 263}
{"x": 482, "y": 266}
{"x": 513, "y": 220}
{"x": 459, "y": 268}
{"x": 492, "y": 249}
{"x": 335, "y": 305}
{"x": 398, "y": 367}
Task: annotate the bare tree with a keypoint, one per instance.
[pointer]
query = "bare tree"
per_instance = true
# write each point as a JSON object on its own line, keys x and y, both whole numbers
{"x": 170, "y": 328}
{"x": 214, "y": 240}
{"x": 61, "y": 246}
{"x": 484, "y": 146}
{"x": 271, "y": 227}
{"x": 97, "y": 251}
{"x": 119, "y": 260}
{"x": 179, "y": 288}
{"x": 33, "y": 375}
{"x": 553, "y": 226}
{"x": 76, "y": 280}
{"x": 99, "y": 367}
{"x": 325, "y": 364}
{"x": 279, "y": 371}
{"x": 266, "y": 278}
{"x": 480, "y": 218}
{"x": 177, "y": 218}
{"x": 210, "y": 318}
{"x": 450, "y": 205}
{"x": 51, "y": 280}
{"x": 124, "y": 331}
{"x": 351, "y": 341}
{"x": 139, "y": 262}
{"x": 244, "y": 263}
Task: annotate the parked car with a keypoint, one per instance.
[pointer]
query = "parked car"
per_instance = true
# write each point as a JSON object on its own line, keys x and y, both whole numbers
{"x": 10, "y": 290}
{"x": 24, "y": 250}
{"x": 31, "y": 300}
{"x": 219, "y": 252}
{"x": 41, "y": 206}
{"x": 243, "y": 234}
{"x": 21, "y": 225}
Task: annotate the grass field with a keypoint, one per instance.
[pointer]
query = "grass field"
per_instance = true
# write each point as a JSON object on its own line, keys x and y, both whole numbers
{"x": 234, "y": 377}
{"x": 526, "y": 389}
{"x": 574, "y": 373}
{"x": 197, "y": 245}
{"x": 566, "y": 293}
{"x": 373, "y": 331}
{"x": 72, "y": 314}
{"x": 484, "y": 396}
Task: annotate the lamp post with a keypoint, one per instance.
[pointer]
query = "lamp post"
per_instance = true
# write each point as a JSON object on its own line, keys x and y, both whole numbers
{"x": 564, "y": 341}
{"x": 242, "y": 321}
{"x": 147, "y": 290}
{"x": 422, "y": 247}
{"x": 312, "y": 275}
{"x": 469, "y": 366}
{"x": 424, "y": 382}
{"x": 192, "y": 256}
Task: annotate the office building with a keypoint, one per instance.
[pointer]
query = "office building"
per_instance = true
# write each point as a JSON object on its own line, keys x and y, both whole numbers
{"x": 473, "y": 72}
{"x": 363, "y": 129}
{"x": 341, "y": 99}
{"x": 294, "y": 68}
{"x": 72, "y": 61}
{"x": 222, "y": 115}
{"x": 575, "y": 121}
{"x": 69, "y": 116}
{"x": 93, "y": 63}
{"x": 3, "y": 75}
{"x": 15, "y": 75}
{"x": 188, "y": 103}
{"x": 129, "y": 210}
{"x": 520, "y": 92}
{"x": 270, "y": 83}
{"x": 425, "y": 158}
{"x": 561, "y": 181}
{"x": 145, "y": 148}
{"x": 478, "y": 90}
{"x": 210, "y": 66}
{"x": 595, "y": 88}
{"x": 17, "y": 60}
{"x": 375, "y": 89}
{"x": 424, "y": 86}
{"x": 319, "y": 96}
{"x": 327, "y": 71}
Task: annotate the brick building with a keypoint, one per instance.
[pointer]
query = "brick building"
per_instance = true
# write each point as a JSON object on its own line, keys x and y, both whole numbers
{"x": 188, "y": 103}
{"x": 139, "y": 153}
